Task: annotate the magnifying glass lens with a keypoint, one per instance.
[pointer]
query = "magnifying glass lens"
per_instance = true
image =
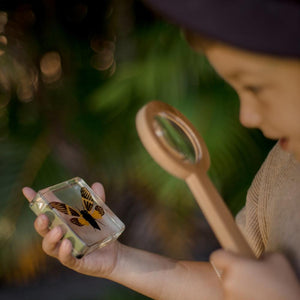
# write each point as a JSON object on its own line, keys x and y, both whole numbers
{"x": 175, "y": 138}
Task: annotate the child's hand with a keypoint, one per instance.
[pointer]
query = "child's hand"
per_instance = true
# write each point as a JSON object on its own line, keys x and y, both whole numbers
{"x": 268, "y": 278}
{"x": 98, "y": 263}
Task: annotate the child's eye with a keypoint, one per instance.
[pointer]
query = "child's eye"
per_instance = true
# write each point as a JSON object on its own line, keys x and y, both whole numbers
{"x": 254, "y": 89}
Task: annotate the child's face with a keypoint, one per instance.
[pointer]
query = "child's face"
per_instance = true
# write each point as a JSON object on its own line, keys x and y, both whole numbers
{"x": 269, "y": 92}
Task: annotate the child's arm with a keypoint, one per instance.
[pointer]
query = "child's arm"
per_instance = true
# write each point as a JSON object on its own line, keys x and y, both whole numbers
{"x": 150, "y": 274}
{"x": 270, "y": 277}
{"x": 162, "y": 278}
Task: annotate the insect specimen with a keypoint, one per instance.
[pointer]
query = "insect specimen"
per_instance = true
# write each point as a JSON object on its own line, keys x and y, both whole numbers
{"x": 90, "y": 214}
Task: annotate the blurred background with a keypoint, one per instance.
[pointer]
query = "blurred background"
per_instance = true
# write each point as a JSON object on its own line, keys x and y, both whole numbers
{"x": 73, "y": 75}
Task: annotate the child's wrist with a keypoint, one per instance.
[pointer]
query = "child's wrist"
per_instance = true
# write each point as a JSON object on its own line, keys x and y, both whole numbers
{"x": 119, "y": 259}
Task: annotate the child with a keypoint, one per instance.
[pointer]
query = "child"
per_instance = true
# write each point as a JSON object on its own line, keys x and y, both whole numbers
{"x": 255, "y": 47}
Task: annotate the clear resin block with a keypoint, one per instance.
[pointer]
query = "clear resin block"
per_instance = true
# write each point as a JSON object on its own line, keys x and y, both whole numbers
{"x": 86, "y": 220}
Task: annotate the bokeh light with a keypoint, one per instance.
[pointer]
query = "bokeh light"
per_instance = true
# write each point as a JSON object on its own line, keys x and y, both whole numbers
{"x": 3, "y": 20}
{"x": 7, "y": 228}
{"x": 26, "y": 88}
{"x": 3, "y": 44}
{"x": 104, "y": 56}
{"x": 50, "y": 65}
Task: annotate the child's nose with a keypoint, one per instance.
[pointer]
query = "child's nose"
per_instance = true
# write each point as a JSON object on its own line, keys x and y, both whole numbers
{"x": 249, "y": 114}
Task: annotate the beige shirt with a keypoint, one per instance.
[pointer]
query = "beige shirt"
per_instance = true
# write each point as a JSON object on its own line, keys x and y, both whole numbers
{"x": 270, "y": 219}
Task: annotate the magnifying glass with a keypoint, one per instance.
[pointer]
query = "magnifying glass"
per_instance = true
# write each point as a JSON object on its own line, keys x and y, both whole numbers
{"x": 174, "y": 143}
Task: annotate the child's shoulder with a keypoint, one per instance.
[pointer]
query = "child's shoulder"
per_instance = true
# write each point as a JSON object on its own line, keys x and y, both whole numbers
{"x": 274, "y": 192}
{"x": 277, "y": 161}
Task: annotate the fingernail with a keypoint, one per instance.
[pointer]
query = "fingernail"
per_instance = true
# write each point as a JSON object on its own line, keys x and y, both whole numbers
{"x": 28, "y": 193}
{"x": 57, "y": 232}
{"x": 67, "y": 245}
{"x": 97, "y": 187}
{"x": 41, "y": 220}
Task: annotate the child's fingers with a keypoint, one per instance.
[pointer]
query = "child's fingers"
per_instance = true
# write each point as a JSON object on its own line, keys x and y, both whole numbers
{"x": 41, "y": 225}
{"x": 51, "y": 241}
{"x": 28, "y": 193}
{"x": 222, "y": 259}
{"x": 65, "y": 254}
{"x": 99, "y": 190}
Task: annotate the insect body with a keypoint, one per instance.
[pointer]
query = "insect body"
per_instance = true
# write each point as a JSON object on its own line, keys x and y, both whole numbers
{"x": 83, "y": 217}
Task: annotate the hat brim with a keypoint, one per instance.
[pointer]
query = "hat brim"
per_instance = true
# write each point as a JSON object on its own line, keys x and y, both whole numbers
{"x": 271, "y": 27}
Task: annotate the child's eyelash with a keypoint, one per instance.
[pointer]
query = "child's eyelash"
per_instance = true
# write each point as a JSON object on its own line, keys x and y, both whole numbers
{"x": 252, "y": 88}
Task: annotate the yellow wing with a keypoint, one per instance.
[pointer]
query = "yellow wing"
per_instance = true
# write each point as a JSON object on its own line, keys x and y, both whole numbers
{"x": 88, "y": 204}
{"x": 98, "y": 212}
{"x": 80, "y": 221}
{"x": 65, "y": 209}
{"x": 87, "y": 199}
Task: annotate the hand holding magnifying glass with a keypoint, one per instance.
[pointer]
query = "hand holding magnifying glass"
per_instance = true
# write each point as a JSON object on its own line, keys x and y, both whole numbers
{"x": 176, "y": 146}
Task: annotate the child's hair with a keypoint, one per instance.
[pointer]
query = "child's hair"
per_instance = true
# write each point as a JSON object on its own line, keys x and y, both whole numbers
{"x": 197, "y": 41}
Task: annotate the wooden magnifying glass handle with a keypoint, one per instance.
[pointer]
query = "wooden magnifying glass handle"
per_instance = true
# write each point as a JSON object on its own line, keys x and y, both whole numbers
{"x": 218, "y": 215}
{"x": 195, "y": 175}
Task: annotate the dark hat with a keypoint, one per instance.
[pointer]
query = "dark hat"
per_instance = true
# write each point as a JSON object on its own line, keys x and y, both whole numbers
{"x": 267, "y": 26}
